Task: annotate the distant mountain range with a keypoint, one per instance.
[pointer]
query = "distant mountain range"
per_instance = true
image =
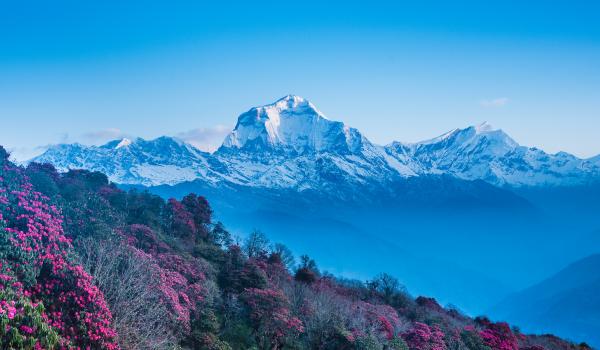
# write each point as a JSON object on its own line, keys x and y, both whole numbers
{"x": 290, "y": 144}
{"x": 567, "y": 303}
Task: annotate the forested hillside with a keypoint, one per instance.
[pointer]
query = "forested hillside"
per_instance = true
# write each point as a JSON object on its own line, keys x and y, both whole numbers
{"x": 87, "y": 265}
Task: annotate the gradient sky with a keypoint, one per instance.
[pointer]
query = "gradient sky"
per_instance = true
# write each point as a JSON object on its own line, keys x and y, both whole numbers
{"x": 92, "y": 71}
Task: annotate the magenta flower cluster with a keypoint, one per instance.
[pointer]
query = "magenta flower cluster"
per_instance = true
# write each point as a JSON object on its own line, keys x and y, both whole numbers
{"x": 424, "y": 337}
{"x": 75, "y": 307}
{"x": 179, "y": 280}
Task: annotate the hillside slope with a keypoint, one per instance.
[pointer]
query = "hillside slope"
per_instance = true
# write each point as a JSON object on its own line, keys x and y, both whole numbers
{"x": 567, "y": 303}
{"x": 160, "y": 274}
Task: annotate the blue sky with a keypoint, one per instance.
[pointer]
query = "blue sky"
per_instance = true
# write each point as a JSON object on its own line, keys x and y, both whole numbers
{"x": 88, "y": 72}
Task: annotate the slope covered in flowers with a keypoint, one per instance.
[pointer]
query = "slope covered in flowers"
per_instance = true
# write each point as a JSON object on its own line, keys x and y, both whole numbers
{"x": 87, "y": 265}
{"x": 37, "y": 270}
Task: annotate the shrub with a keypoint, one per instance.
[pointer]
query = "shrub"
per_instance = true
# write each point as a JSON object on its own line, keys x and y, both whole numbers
{"x": 124, "y": 276}
{"x": 498, "y": 336}
{"x": 270, "y": 317}
{"x": 472, "y": 340}
{"x": 423, "y": 337}
{"x": 24, "y": 324}
{"x": 36, "y": 249}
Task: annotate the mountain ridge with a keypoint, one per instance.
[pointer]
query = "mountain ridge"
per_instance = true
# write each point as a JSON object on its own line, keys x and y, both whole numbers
{"x": 291, "y": 144}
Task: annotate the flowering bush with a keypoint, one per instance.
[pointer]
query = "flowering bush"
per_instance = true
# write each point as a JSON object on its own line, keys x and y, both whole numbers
{"x": 179, "y": 280}
{"x": 239, "y": 273}
{"x": 144, "y": 238}
{"x": 498, "y": 336}
{"x": 180, "y": 221}
{"x": 429, "y": 303}
{"x": 423, "y": 337}
{"x": 471, "y": 339}
{"x": 200, "y": 211}
{"x": 36, "y": 250}
{"x": 271, "y": 318}
{"x": 378, "y": 320}
{"x": 24, "y": 324}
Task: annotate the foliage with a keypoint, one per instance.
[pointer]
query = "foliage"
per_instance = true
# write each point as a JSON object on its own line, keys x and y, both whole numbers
{"x": 256, "y": 245}
{"x": 270, "y": 317}
{"x": 424, "y": 337}
{"x": 36, "y": 250}
{"x": 122, "y": 273}
{"x": 497, "y": 336}
{"x": 473, "y": 341}
{"x": 23, "y": 323}
{"x": 145, "y": 273}
{"x": 307, "y": 271}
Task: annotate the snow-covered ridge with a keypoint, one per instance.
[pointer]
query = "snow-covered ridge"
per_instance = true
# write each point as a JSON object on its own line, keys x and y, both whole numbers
{"x": 291, "y": 144}
{"x": 164, "y": 160}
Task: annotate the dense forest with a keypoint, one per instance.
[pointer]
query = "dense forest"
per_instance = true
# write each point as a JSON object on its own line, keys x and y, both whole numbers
{"x": 86, "y": 265}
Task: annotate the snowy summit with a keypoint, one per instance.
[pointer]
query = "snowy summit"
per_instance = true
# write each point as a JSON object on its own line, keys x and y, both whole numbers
{"x": 291, "y": 123}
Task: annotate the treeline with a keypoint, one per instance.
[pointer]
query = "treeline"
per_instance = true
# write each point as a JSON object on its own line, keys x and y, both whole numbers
{"x": 87, "y": 265}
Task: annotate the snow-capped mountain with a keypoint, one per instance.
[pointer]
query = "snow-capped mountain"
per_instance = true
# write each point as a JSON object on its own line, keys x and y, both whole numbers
{"x": 290, "y": 144}
{"x": 293, "y": 124}
{"x": 164, "y": 160}
{"x": 484, "y": 153}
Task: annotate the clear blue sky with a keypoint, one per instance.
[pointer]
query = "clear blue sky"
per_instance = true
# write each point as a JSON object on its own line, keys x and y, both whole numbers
{"x": 77, "y": 71}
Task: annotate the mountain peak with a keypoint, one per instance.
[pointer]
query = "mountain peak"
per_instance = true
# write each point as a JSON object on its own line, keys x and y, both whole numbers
{"x": 472, "y": 134}
{"x": 296, "y": 105}
{"x": 292, "y": 99}
{"x": 484, "y": 127}
{"x": 291, "y": 122}
{"x": 124, "y": 143}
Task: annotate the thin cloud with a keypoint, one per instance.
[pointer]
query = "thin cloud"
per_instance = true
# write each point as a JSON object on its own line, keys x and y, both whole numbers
{"x": 206, "y": 139}
{"x": 495, "y": 103}
{"x": 102, "y": 136}
{"x": 23, "y": 154}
